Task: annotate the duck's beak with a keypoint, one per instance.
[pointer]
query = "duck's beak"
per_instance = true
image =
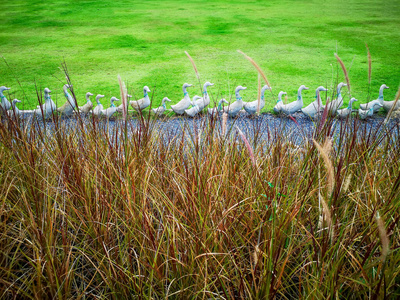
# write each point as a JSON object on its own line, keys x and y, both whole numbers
{"x": 168, "y": 100}
{"x": 6, "y": 89}
{"x": 306, "y": 88}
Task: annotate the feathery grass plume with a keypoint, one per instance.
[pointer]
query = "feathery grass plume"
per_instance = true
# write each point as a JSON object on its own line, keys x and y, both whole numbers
{"x": 256, "y": 66}
{"x": 328, "y": 164}
{"x": 194, "y": 67}
{"x": 383, "y": 236}
{"x": 224, "y": 121}
{"x": 346, "y": 75}
{"x": 248, "y": 146}
{"x": 369, "y": 65}
{"x": 326, "y": 213}
{"x": 347, "y": 183}
{"x": 392, "y": 108}
{"x": 124, "y": 99}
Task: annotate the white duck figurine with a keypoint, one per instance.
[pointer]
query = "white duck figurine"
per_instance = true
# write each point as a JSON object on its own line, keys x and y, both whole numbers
{"x": 141, "y": 104}
{"x": 48, "y": 107}
{"x": 343, "y": 113}
{"x": 294, "y": 106}
{"x": 68, "y": 108}
{"x": 88, "y": 106}
{"x": 366, "y": 106}
{"x": 108, "y": 112}
{"x": 279, "y": 102}
{"x": 14, "y": 108}
{"x": 369, "y": 112}
{"x": 312, "y": 109}
{"x": 97, "y": 110}
{"x": 334, "y": 105}
{"x": 251, "y": 107}
{"x": 234, "y": 108}
{"x": 205, "y": 101}
{"x": 215, "y": 110}
{"x": 5, "y": 104}
{"x": 161, "y": 109}
{"x": 184, "y": 103}
{"x": 191, "y": 112}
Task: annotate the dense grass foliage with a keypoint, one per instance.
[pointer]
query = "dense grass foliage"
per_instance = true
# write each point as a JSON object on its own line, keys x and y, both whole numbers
{"x": 144, "y": 42}
{"x": 212, "y": 214}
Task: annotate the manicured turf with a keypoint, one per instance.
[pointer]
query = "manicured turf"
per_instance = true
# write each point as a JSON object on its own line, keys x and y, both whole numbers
{"x": 144, "y": 42}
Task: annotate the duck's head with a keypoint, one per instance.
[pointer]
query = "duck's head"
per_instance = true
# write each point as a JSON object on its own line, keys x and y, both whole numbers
{"x": 207, "y": 84}
{"x": 303, "y": 87}
{"x": 377, "y": 104}
{"x": 280, "y": 95}
{"x": 196, "y": 98}
{"x": 186, "y": 85}
{"x": 223, "y": 101}
{"x": 88, "y": 94}
{"x": 264, "y": 88}
{"x": 384, "y": 86}
{"x": 353, "y": 100}
{"x": 146, "y": 89}
{"x": 99, "y": 96}
{"x": 165, "y": 99}
{"x": 240, "y": 88}
{"x": 3, "y": 88}
{"x": 67, "y": 86}
{"x": 321, "y": 89}
{"x": 16, "y": 101}
{"x": 113, "y": 99}
{"x": 340, "y": 85}
{"x": 47, "y": 91}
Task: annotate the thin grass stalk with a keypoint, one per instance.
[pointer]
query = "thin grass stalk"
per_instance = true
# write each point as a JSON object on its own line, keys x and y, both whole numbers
{"x": 324, "y": 152}
{"x": 248, "y": 146}
{"x": 383, "y": 236}
{"x": 369, "y": 65}
{"x": 124, "y": 99}
{"x": 393, "y": 107}
{"x": 346, "y": 75}
{"x": 259, "y": 94}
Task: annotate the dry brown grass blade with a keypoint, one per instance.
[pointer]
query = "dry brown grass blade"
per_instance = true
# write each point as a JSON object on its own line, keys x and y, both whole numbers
{"x": 256, "y": 66}
{"x": 346, "y": 74}
{"x": 124, "y": 99}
{"x": 392, "y": 108}
{"x": 323, "y": 151}
{"x": 369, "y": 65}
{"x": 194, "y": 66}
{"x": 383, "y": 236}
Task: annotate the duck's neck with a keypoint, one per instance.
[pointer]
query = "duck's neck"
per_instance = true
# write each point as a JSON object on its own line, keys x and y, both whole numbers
{"x": 145, "y": 94}
{"x": 47, "y": 97}
{"x": 238, "y": 96}
{"x": 318, "y": 98}
{"x": 205, "y": 91}
{"x": 219, "y": 106}
{"x": 164, "y": 105}
{"x": 112, "y": 104}
{"x": 67, "y": 95}
{"x": 381, "y": 93}
{"x": 338, "y": 93}
{"x": 2, "y": 95}
{"x": 299, "y": 96}
{"x": 87, "y": 99}
{"x": 350, "y": 105}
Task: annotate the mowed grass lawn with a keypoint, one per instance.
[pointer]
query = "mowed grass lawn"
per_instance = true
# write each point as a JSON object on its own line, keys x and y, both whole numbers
{"x": 144, "y": 42}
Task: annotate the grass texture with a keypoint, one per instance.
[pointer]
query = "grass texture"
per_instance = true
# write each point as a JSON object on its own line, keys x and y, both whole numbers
{"x": 205, "y": 214}
{"x": 144, "y": 41}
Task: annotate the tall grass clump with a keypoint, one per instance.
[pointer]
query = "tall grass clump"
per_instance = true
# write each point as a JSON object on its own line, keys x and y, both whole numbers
{"x": 210, "y": 213}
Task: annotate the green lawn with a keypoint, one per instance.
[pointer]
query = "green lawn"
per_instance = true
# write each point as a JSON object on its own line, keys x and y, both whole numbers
{"x": 144, "y": 42}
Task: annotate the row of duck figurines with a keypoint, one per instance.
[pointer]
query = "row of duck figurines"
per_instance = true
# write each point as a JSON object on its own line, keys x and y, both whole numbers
{"x": 192, "y": 106}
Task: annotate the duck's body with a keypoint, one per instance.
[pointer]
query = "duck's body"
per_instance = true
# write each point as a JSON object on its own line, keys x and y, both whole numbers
{"x": 5, "y": 104}
{"x": 98, "y": 109}
{"x": 334, "y": 105}
{"x": 111, "y": 110}
{"x": 234, "y": 108}
{"x": 14, "y": 108}
{"x": 182, "y": 105}
{"x": 369, "y": 112}
{"x": 68, "y": 108}
{"x": 387, "y": 105}
{"x": 191, "y": 112}
{"x": 88, "y": 106}
{"x": 343, "y": 113}
{"x": 279, "y": 102}
{"x": 48, "y": 108}
{"x": 161, "y": 109}
{"x": 205, "y": 101}
{"x": 141, "y": 104}
{"x": 366, "y": 106}
{"x": 294, "y": 106}
{"x": 254, "y": 106}
{"x": 215, "y": 110}
{"x": 314, "y": 108}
